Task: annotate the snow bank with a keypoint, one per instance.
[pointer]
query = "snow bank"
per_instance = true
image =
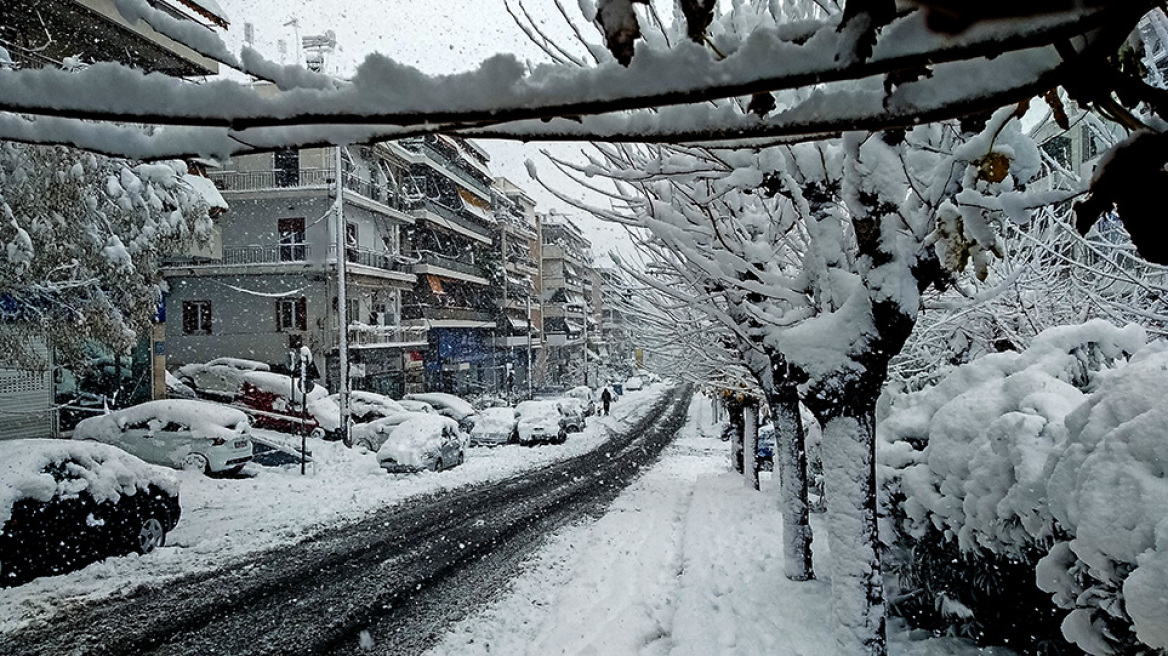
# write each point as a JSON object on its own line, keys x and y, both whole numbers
{"x": 104, "y": 472}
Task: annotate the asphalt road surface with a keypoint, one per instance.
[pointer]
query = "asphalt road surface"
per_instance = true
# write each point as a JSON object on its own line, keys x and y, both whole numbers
{"x": 401, "y": 576}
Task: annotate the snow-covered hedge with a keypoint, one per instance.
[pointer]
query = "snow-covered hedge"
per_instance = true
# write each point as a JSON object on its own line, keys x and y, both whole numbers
{"x": 1108, "y": 487}
{"x": 1016, "y": 453}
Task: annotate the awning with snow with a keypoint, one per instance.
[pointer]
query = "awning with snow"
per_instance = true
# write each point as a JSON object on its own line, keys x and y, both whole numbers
{"x": 435, "y": 285}
{"x": 520, "y": 324}
{"x": 574, "y": 327}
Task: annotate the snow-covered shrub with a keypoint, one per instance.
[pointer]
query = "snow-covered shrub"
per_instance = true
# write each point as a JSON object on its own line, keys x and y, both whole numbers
{"x": 966, "y": 465}
{"x": 1108, "y": 488}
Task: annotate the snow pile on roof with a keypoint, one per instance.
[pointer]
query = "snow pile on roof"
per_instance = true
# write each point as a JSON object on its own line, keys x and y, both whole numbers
{"x": 415, "y": 440}
{"x": 104, "y": 472}
{"x": 280, "y": 385}
{"x": 448, "y": 404}
{"x": 204, "y": 419}
{"x": 1109, "y": 489}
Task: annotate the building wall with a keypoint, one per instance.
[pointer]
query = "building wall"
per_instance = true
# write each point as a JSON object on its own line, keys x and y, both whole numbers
{"x": 26, "y": 399}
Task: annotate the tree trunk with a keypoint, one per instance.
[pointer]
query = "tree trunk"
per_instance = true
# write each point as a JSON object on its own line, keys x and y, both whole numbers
{"x": 734, "y": 411}
{"x": 750, "y": 441}
{"x": 849, "y": 456}
{"x": 791, "y": 466}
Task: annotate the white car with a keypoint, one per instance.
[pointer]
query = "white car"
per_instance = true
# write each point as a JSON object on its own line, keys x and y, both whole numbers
{"x": 448, "y": 405}
{"x": 573, "y": 411}
{"x": 494, "y": 426}
{"x": 367, "y": 406}
{"x": 416, "y": 406}
{"x": 587, "y": 398}
{"x": 373, "y": 433}
{"x": 178, "y": 433}
{"x": 430, "y": 442}
{"x": 633, "y": 384}
{"x": 540, "y": 422}
{"x": 219, "y": 378}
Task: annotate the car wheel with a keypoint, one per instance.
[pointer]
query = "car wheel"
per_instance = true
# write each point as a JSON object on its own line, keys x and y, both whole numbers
{"x": 461, "y": 457}
{"x": 151, "y": 535}
{"x": 438, "y": 464}
{"x": 366, "y": 443}
{"x": 318, "y": 433}
{"x": 196, "y": 462}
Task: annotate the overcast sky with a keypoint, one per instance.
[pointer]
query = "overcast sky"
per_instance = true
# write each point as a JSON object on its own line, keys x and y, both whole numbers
{"x": 437, "y": 36}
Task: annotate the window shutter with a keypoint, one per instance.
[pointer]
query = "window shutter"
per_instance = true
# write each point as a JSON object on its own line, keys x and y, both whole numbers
{"x": 302, "y": 313}
{"x": 188, "y": 318}
{"x": 206, "y": 307}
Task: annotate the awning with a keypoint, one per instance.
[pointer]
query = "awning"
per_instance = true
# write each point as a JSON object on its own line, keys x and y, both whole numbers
{"x": 435, "y": 284}
{"x": 520, "y": 324}
{"x": 519, "y": 282}
{"x": 574, "y": 327}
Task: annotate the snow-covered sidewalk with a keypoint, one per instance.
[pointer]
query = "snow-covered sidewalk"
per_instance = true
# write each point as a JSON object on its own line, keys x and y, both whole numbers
{"x": 688, "y": 561}
{"x": 225, "y": 520}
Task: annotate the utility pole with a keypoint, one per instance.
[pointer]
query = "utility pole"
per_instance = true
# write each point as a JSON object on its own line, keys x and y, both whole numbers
{"x": 529, "y": 372}
{"x": 342, "y": 301}
{"x": 585, "y": 307}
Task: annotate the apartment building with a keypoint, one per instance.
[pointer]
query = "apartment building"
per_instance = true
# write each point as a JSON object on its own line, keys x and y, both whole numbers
{"x": 519, "y": 341}
{"x": 452, "y": 239}
{"x": 273, "y": 284}
{"x": 568, "y": 290}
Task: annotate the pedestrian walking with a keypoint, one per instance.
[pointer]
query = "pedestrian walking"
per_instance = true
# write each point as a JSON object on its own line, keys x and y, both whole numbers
{"x": 606, "y": 398}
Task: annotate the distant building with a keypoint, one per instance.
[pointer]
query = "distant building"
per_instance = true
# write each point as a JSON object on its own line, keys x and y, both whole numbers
{"x": 568, "y": 317}
{"x": 519, "y": 337}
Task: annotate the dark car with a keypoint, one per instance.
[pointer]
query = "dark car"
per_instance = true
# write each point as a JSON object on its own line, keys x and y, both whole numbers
{"x": 67, "y": 504}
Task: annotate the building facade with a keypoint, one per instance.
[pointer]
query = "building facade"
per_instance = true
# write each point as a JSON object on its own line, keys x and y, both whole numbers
{"x": 568, "y": 294}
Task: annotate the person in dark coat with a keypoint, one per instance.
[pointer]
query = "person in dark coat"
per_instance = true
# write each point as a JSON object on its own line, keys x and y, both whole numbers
{"x": 606, "y": 398}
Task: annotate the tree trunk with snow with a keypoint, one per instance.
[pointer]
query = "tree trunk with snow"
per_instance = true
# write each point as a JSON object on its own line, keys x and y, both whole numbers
{"x": 791, "y": 467}
{"x": 750, "y": 441}
{"x": 734, "y": 412}
{"x": 849, "y": 455}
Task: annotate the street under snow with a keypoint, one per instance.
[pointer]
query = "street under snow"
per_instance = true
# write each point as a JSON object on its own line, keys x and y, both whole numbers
{"x": 686, "y": 560}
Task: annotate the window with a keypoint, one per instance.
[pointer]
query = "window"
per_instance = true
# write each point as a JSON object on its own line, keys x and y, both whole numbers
{"x": 291, "y": 314}
{"x": 292, "y": 247}
{"x": 287, "y": 168}
{"x": 196, "y": 317}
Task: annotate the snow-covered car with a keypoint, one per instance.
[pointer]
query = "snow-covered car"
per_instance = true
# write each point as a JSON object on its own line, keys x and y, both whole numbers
{"x": 276, "y": 402}
{"x": 176, "y": 389}
{"x": 540, "y": 422}
{"x": 416, "y": 406}
{"x": 430, "y": 442}
{"x": 587, "y": 398}
{"x": 65, "y": 504}
{"x": 367, "y": 406}
{"x": 220, "y": 378}
{"x": 448, "y": 405}
{"x": 494, "y": 426}
{"x": 179, "y": 433}
{"x": 573, "y": 411}
{"x": 373, "y": 433}
{"x": 633, "y": 384}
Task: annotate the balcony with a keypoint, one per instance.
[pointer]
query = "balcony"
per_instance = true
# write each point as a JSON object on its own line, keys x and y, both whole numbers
{"x": 420, "y": 208}
{"x": 305, "y": 178}
{"x": 469, "y": 271}
{"x": 523, "y": 264}
{"x": 436, "y": 314}
{"x": 441, "y": 161}
{"x": 240, "y": 256}
{"x": 363, "y": 335}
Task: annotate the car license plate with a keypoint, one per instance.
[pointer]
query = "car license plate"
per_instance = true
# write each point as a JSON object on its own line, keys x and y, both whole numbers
{"x": 240, "y": 444}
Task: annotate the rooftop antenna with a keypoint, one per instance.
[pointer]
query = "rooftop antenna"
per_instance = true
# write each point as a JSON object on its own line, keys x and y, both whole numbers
{"x": 316, "y": 46}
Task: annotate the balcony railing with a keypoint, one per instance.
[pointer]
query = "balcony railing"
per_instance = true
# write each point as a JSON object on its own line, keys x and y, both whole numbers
{"x": 523, "y": 264}
{"x": 296, "y": 178}
{"x": 447, "y": 214}
{"x": 443, "y": 161}
{"x": 366, "y": 335}
{"x": 304, "y": 253}
{"x": 435, "y": 313}
{"x": 447, "y": 262}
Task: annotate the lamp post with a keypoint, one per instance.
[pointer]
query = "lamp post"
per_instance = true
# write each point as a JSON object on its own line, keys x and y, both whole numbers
{"x": 342, "y": 304}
